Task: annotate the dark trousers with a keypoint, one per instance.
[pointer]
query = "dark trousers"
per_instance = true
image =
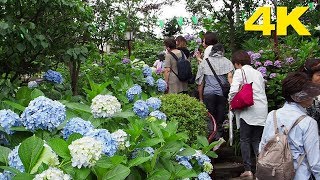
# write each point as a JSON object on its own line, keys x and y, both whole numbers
{"x": 249, "y": 136}
{"x": 216, "y": 106}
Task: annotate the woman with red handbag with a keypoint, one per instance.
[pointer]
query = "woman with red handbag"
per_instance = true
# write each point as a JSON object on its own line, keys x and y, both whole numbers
{"x": 248, "y": 100}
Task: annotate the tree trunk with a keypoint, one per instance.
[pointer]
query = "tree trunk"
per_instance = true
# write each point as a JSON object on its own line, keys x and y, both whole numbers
{"x": 74, "y": 68}
{"x": 232, "y": 27}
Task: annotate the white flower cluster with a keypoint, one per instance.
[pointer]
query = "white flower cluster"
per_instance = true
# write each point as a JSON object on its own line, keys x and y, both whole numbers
{"x": 85, "y": 152}
{"x": 52, "y": 174}
{"x": 105, "y": 106}
{"x": 121, "y": 137}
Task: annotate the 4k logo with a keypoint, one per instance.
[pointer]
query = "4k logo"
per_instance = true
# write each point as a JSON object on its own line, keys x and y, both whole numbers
{"x": 283, "y": 21}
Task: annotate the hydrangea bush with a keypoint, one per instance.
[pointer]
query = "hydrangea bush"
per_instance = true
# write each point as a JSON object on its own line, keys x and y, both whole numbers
{"x": 105, "y": 106}
{"x": 53, "y": 76}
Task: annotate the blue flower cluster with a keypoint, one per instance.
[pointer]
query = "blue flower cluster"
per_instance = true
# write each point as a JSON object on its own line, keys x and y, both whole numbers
{"x": 53, "y": 76}
{"x": 14, "y": 159}
{"x": 184, "y": 160}
{"x": 110, "y": 144}
{"x": 149, "y": 81}
{"x": 43, "y": 113}
{"x": 185, "y": 164}
{"x": 147, "y": 71}
{"x": 135, "y": 90}
{"x": 141, "y": 109}
{"x": 76, "y": 125}
{"x": 202, "y": 159}
{"x": 162, "y": 85}
{"x": 6, "y": 175}
{"x": 159, "y": 115}
{"x": 154, "y": 103}
{"x": 204, "y": 176}
{"x": 9, "y": 119}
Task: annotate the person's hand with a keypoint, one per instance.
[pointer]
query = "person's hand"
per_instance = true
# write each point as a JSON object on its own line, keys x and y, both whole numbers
{"x": 198, "y": 54}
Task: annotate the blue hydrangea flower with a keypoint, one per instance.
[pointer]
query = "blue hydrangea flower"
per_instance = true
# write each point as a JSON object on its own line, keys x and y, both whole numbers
{"x": 110, "y": 144}
{"x": 53, "y": 76}
{"x": 9, "y": 119}
{"x": 162, "y": 85}
{"x": 149, "y": 81}
{"x": 147, "y": 71}
{"x": 149, "y": 150}
{"x": 76, "y": 125}
{"x": 14, "y": 159}
{"x": 154, "y": 103}
{"x": 185, "y": 164}
{"x": 126, "y": 61}
{"x": 32, "y": 84}
{"x": 159, "y": 115}
{"x": 202, "y": 159}
{"x": 141, "y": 109}
{"x": 204, "y": 176}
{"x": 43, "y": 113}
{"x": 6, "y": 175}
{"x": 183, "y": 158}
{"x": 135, "y": 90}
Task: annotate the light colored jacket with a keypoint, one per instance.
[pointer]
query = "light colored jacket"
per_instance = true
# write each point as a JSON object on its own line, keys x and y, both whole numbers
{"x": 256, "y": 114}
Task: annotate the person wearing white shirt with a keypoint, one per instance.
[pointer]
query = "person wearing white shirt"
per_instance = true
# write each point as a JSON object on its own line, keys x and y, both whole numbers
{"x": 252, "y": 119}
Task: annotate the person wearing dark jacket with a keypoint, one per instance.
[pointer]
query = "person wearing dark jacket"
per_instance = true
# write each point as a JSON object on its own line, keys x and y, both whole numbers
{"x": 182, "y": 45}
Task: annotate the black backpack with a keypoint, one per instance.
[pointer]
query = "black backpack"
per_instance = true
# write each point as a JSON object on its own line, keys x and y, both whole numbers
{"x": 184, "y": 68}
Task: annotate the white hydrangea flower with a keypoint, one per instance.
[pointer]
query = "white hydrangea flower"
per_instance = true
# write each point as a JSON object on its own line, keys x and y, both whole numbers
{"x": 52, "y": 174}
{"x": 317, "y": 28}
{"x": 85, "y": 152}
{"x": 121, "y": 137}
{"x": 105, "y": 106}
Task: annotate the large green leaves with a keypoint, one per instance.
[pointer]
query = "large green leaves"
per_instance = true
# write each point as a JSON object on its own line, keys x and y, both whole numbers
{"x": 30, "y": 151}
{"x": 4, "y": 152}
{"x": 120, "y": 172}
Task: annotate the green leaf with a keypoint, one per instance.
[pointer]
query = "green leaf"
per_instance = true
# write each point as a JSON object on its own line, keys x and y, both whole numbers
{"x": 36, "y": 93}
{"x": 160, "y": 174}
{"x": 82, "y": 173}
{"x": 4, "y": 152}
{"x": 138, "y": 161}
{"x": 79, "y": 107}
{"x": 3, "y": 25}
{"x": 74, "y": 137}
{"x": 60, "y": 147}
{"x": 125, "y": 114}
{"x": 108, "y": 162}
{"x": 30, "y": 151}
{"x": 212, "y": 154}
{"x": 15, "y": 105}
{"x": 11, "y": 169}
{"x": 187, "y": 152}
{"x": 203, "y": 141}
{"x": 157, "y": 131}
{"x": 21, "y": 47}
{"x": 23, "y": 176}
{"x": 185, "y": 173}
{"x": 20, "y": 128}
{"x": 120, "y": 172}
{"x": 150, "y": 142}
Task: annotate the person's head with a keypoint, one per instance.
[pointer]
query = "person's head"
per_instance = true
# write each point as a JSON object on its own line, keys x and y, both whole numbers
{"x": 217, "y": 47}
{"x": 240, "y": 58}
{"x": 297, "y": 87}
{"x": 170, "y": 43}
{"x": 312, "y": 68}
{"x": 181, "y": 41}
{"x": 161, "y": 56}
{"x": 210, "y": 38}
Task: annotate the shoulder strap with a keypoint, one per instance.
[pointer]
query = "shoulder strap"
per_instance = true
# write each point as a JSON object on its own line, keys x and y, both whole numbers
{"x": 297, "y": 121}
{"x": 244, "y": 76}
{"x": 176, "y": 58}
{"x": 276, "y": 130}
{"x": 214, "y": 73}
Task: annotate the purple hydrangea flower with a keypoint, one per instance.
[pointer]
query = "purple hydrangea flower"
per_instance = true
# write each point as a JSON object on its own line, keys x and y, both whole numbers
{"x": 273, "y": 75}
{"x": 255, "y": 56}
{"x": 257, "y": 63}
{"x": 268, "y": 63}
{"x": 277, "y": 63}
{"x": 126, "y": 61}
{"x": 250, "y": 53}
{"x": 263, "y": 71}
{"x": 199, "y": 40}
{"x": 261, "y": 51}
{"x": 188, "y": 37}
{"x": 290, "y": 60}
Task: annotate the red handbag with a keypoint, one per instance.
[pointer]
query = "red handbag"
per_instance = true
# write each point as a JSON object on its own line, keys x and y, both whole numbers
{"x": 244, "y": 98}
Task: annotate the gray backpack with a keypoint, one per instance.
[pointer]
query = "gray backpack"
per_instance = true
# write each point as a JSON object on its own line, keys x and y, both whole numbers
{"x": 275, "y": 161}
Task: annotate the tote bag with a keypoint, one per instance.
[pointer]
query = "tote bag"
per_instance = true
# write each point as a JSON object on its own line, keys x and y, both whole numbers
{"x": 244, "y": 98}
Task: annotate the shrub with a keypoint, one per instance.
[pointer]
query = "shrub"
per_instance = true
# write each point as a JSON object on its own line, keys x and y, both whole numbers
{"x": 190, "y": 114}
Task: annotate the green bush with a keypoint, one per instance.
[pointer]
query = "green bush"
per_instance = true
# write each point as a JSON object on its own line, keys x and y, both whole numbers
{"x": 190, "y": 114}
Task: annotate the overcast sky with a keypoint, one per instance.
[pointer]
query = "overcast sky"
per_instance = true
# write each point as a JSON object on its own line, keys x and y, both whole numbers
{"x": 178, "y": 9}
